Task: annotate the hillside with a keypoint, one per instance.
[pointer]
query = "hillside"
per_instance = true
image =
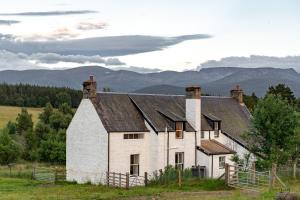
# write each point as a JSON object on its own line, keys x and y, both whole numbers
{"x": 212, "y": 80}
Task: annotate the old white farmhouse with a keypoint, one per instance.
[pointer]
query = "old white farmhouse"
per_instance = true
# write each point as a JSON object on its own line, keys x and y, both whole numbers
{"x": 139, "y": 133}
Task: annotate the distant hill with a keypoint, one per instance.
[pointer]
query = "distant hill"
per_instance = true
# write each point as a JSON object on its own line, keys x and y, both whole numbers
{"x": 215, "y": 81}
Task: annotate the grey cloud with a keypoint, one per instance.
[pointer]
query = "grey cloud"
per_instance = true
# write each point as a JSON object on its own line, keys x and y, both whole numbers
{"x": 50, "y": 13}
{"x": 53, "y": 58}
{"x": 104, "y": 46}
{"x": 141, "y": 70}
{"x": 21, "y": 61}
{"x": 91, "y": 25}
{"x": 255, "y": 61}
{"x": 8, "y": 22}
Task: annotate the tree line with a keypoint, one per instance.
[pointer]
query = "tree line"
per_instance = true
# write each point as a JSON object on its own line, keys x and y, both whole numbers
{"x": 25, "y": 95}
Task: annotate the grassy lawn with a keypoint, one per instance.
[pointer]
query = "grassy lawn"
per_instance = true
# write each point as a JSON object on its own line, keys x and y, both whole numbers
{"x": 9, "y": 113}
{"x": 25, "y": 189}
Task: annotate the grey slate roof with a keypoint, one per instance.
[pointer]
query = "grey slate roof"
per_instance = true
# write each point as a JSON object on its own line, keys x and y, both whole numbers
{"x": 127, "y": 112}
{"x": 118, "y": 113}
{"x": 234, "y": 117}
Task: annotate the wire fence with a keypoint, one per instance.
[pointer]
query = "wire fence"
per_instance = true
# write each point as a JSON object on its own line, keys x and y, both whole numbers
{"x": 35, "y": 172}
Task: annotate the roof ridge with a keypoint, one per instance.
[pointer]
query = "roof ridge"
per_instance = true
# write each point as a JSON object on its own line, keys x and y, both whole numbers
{"x": 141, "y": 94}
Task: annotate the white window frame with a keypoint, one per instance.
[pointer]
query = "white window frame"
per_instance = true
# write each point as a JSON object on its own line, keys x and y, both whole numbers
{"x": 222, "y": 161}
{"x": 134, "y": 164}
{"x": 179, "y": 160}
{"x": 133, "y": 136}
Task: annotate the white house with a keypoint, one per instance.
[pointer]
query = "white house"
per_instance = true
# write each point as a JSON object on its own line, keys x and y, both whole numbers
{"x": 137, "y": 133}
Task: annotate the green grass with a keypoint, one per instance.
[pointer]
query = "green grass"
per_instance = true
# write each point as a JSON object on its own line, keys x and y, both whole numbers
{"x": 25, "y": 189}
{"x": 9, "y": 113}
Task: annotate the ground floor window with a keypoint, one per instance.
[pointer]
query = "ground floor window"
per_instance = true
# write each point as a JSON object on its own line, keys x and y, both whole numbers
{"x": 179, "y": 160}
{"x": 222, "y": 162}
{"x": 134, "y": 164}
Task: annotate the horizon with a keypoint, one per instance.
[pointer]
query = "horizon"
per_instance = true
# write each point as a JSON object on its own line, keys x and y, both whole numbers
{"x": 66, "y": 34}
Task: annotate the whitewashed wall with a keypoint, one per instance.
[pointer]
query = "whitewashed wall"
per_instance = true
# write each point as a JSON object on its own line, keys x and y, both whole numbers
{"x": 206, "y": 160}
{"x": 152, "y": 150}
{"x": 186, "y": 145}
{"x": 223, "y": 139}
{"x": 87, "y": 146}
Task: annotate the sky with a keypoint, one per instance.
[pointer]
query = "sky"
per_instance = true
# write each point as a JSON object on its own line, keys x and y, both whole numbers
{"x": 169, "y": 35}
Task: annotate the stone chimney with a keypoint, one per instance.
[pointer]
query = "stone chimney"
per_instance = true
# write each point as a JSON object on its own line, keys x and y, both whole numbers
{"x": 193, "y": 108}
{"x": 90, "y": 89}
{"x": 237, "y": 94}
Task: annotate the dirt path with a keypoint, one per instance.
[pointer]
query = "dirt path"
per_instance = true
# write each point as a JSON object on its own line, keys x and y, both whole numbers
{"x": 203, "y": 195}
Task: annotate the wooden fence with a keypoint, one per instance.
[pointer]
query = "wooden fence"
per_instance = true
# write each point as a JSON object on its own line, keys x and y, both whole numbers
{"x": 125, "y": 180}
{"x": 250, "y": 179}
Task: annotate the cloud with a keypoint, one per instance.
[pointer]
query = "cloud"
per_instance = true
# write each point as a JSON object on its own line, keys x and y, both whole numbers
{"x": 58, "y": 34}
{"x": 104, "y": 46}
{"x": 21, "y": 61}
{"x": 50, "y": 13}
{"x": 53, "y": 58}
{"x": 91, "y": 25}
{"x": 141, "y": 70}
{"x": 255, "y": 61}
{"x": 8, "y": 22}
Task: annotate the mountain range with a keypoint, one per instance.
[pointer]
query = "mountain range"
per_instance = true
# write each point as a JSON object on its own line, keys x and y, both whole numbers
{"x": 214, "y": 81}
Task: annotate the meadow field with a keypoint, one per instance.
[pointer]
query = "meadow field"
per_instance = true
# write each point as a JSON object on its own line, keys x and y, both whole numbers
{"x": 25, "y": 189}
{"x": 9, "y": 113}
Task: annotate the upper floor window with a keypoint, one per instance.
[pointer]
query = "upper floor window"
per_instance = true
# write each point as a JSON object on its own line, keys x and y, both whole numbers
{"x": 179, "y": 130}
{"x": 216, "y": 129}
{"x": 202, "y": 134}
{"x": 134, "y": 136}
{"x": 221, "y": 162}
{"x": 179, "y": 160}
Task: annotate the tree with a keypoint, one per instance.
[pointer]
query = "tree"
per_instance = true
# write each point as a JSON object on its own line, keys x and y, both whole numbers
{"x": 272, "y": 128}
{"x": 31, "y": 146}
{"x": 284, "y": 92}
{"x": 24, "y": 121}
{"x": 251, "y": 101}
{"x": 54, "y": 148}
{"x": 63, "y": 97}
{"x": 45, "y": 115}
{"x": 9, "y": 150}
{"x": 11, "y": 127}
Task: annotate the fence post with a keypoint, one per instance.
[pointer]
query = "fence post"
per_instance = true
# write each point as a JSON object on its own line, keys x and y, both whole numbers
{"x": 227, "y": 173}
{"x": 254, "y": 172}
{"x": 120, "y": 180}
{"x": 114, "y": 174}
{"x": 127, "y": 180}
{"x": 146, "y": 178}
{"x": 179, "y": 178}
{"x": 107, "y": 178}
{"x": 33, "y": 173}
{"x": 295, "y": 169}
{"x": 55, "y": 174}
{"x": 160, "y": 175}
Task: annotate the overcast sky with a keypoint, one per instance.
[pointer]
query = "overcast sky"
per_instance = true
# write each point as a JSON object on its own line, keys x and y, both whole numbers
{"x": 173, "y": 35}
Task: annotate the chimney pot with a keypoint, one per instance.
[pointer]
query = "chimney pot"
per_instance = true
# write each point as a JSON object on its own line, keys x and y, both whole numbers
{"x": 237, "y": 93}
{"x": 90, "y": 89}
{"x": 193, "y": 92}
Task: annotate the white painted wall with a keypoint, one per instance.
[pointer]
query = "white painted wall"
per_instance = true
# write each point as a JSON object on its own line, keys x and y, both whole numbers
{"x": 206, "y": 160}
{"x": 152, "y": 150}
{"x": 186, "y": 145}
{"x": 87, "y": 146}
{"x": 193, "y": 115}
{"x": 223, "y": 139}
